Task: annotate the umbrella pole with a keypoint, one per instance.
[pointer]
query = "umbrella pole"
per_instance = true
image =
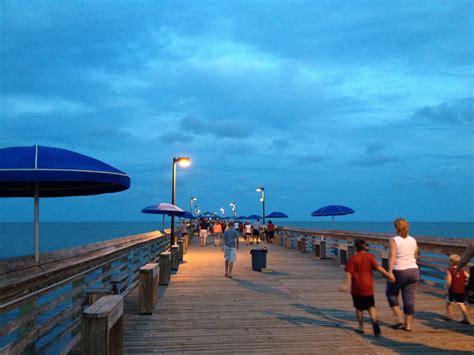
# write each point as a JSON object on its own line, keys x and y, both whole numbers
{"x": 37, "y": 222}
{"x": 163, "y": 222}
{"x": 333, "y": 223}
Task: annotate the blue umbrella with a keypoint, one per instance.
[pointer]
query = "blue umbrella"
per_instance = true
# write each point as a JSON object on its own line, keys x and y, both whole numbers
{"x": 277, "y": 215}
{"x": 187, "y": 215}
{"x": 164, "y": 209}
{"x": 240, "y": 218}
{"x": 332, "y": 210}
{"x": 38, "y": 171}
{"x": 254, "y": 216}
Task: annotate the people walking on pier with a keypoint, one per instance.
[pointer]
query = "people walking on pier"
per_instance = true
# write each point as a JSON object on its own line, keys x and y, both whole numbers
{"x": 203, "y": 231}
{"x": 231, "y": 245}
{"x": 256, "y": 231}
{"x": 217, "y": 234}
{"x": 270, "y": 232}
{"x": 360, "y": 276}
{"x": 402, "y": 262}
{"x": 455, "y": 283}
{"x": 182, "y": 229}
{"x": 248, "y": 232}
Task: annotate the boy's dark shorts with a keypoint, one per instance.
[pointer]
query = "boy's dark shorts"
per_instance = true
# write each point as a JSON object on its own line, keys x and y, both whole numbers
{"x": 457, "y": 297}
{"x": 256, "y": 233}
{"x": 363, "y": 303}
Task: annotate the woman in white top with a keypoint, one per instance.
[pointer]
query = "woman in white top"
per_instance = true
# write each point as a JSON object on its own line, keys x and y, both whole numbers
{"x": 402, "y": 262}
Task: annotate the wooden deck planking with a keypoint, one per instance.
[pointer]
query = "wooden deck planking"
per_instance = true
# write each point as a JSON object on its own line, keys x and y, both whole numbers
{"x": 295, "y": 309}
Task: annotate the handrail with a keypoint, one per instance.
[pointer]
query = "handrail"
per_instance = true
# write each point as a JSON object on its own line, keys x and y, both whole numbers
{"x": 41, "y": 304}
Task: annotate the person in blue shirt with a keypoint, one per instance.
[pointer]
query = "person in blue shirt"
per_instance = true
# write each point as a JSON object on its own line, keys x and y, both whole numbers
{"x": 231, "y": 244}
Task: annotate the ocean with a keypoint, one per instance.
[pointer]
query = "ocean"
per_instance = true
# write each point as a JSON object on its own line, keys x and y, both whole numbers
{"x": 16, "y": 239}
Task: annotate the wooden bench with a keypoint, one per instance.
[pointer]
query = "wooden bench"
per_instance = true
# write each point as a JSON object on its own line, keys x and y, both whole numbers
{"x": 102, "y": 327}
{"x": 148, "y": 287}
{"x": 165, "y": 268}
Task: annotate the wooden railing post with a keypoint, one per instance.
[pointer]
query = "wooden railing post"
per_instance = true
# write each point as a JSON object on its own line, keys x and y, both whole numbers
{"x": 186, "y": 243}
{"x": 92, "y": 295}
{"x": 147, "y": 291}
{"x": 181, "y": 250}
{"x": 102, "y": 327}
{"x": 320, "y": 249}
{"x": 165, "y": 267}
{"x": 342, "y": 249}
{"x": 174, "y": 257}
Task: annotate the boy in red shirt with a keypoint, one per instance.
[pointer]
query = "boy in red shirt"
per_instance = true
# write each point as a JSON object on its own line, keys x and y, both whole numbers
{"x": 359, "y": 274}
{"x": 455, "y": 283}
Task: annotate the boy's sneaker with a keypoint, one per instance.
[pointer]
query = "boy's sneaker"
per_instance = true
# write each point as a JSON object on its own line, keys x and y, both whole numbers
{"x": 376, "y": 328}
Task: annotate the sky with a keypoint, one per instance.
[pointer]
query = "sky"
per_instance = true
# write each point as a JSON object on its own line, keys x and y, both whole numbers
{"x": 363, "y": 104}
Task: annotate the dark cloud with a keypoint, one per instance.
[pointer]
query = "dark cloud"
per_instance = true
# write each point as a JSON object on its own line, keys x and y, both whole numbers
{"x": 217, "y": 128}
{"x": 176, "y": 137}
{"x": 372, "y": 161}
{"x": 374, "y": 148}
{"x": 458, "y": 113}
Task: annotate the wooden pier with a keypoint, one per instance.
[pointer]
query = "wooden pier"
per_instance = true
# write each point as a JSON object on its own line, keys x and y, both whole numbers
{"x": 295, "y": 309}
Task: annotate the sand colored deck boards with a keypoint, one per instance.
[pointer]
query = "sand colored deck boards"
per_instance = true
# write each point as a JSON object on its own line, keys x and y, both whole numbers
{"x": 296, "y": 309}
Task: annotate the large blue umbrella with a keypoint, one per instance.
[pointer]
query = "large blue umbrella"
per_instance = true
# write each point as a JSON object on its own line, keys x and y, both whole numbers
{"x": 241, "y": 218}
{"x": 254, "y": 216}
{"x": 164, "y": 209}
{"x": 277, "y": 215}
{"x": 38, "y": 171}
{"x": 332, "y": 210}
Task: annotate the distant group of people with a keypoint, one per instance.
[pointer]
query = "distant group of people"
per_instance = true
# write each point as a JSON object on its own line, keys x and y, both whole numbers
{"x": 403, "y": 276}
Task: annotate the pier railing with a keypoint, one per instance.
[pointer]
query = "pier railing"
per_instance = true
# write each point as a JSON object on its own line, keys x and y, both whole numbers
{"x": 432, "y": 260}
{"x": 41, "y": 304}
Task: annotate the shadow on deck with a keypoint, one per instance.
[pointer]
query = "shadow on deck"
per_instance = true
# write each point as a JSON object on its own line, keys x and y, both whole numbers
{"x": 295, "y": 309}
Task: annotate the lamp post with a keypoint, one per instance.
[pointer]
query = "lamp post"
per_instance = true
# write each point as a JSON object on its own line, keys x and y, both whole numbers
{"x": 182, "y": 161}
{"x": 222, "y": 211}
{"x": 191, "y": 201}
{"x": 262, "y": 200}
{"x": 234, "y": 208}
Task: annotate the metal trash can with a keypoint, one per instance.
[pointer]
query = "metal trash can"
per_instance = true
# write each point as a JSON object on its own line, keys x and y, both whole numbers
{"x": 259, "y": 259}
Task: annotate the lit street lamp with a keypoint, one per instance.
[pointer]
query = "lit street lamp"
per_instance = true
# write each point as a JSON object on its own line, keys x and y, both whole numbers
{"x": 262, "y": 200}
{"x": 184, "y": 162}
{"x": 222, "y": 211}
{"x": 234, "y": 208}
{"x": 191, "y": 201}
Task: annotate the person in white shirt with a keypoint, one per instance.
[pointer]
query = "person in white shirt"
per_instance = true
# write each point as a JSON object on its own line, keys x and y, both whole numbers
{"x": 402, "y": 263}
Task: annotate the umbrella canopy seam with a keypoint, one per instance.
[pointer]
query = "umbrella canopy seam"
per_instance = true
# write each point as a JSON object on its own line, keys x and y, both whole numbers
{"x": 69, "y": 170}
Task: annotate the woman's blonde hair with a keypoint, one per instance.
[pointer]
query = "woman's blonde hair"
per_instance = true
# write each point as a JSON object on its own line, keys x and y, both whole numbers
{"x": 454, "y": 258}
{"x": 401, "y": 226}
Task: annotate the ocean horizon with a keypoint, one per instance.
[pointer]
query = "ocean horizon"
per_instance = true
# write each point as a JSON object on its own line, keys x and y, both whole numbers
{"x": 16, "y": 238}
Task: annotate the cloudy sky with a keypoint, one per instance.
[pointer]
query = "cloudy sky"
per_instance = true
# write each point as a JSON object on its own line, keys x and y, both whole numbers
{"x": 364, "y": 104}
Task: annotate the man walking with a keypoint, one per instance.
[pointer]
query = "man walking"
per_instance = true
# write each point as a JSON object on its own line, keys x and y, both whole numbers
{"x": 204, "y": 226}
{"x": 256, "y": 231}
{"x": 231, "y": 244}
